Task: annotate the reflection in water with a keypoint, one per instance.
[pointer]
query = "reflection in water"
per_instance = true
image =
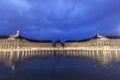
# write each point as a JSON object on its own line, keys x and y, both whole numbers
{"x": 53, "y": 65}
{"x": 103, "y": 58}
{"x": 11, "y": 59}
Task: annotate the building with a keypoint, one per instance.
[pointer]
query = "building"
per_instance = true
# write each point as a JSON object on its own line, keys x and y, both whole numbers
{"x": 98, "y": 42}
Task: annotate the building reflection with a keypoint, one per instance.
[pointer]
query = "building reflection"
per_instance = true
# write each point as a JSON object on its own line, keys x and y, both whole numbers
{"x": 103, "y": 58}
{"x": 11, "y": 59}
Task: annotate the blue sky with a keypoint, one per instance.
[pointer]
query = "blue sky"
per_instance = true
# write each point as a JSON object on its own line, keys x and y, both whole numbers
{"x": 66, "y": 19}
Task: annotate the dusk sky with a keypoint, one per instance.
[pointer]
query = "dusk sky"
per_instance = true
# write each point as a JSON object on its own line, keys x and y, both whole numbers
{"x": 66, "y": 19}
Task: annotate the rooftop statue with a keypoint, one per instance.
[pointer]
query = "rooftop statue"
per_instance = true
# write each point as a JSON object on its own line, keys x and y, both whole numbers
{"x": 13, "y": 37}
{"x": 101, "y": 37}
{"x": 16, "y": 35}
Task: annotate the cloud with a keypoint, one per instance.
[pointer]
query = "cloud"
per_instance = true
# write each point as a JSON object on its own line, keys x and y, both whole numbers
{"x": 68, "y": 19}
{"x": 18, "y": 4}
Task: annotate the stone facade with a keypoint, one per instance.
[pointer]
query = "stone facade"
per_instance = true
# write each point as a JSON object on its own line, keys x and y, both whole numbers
{"x": 99, "y": 42}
